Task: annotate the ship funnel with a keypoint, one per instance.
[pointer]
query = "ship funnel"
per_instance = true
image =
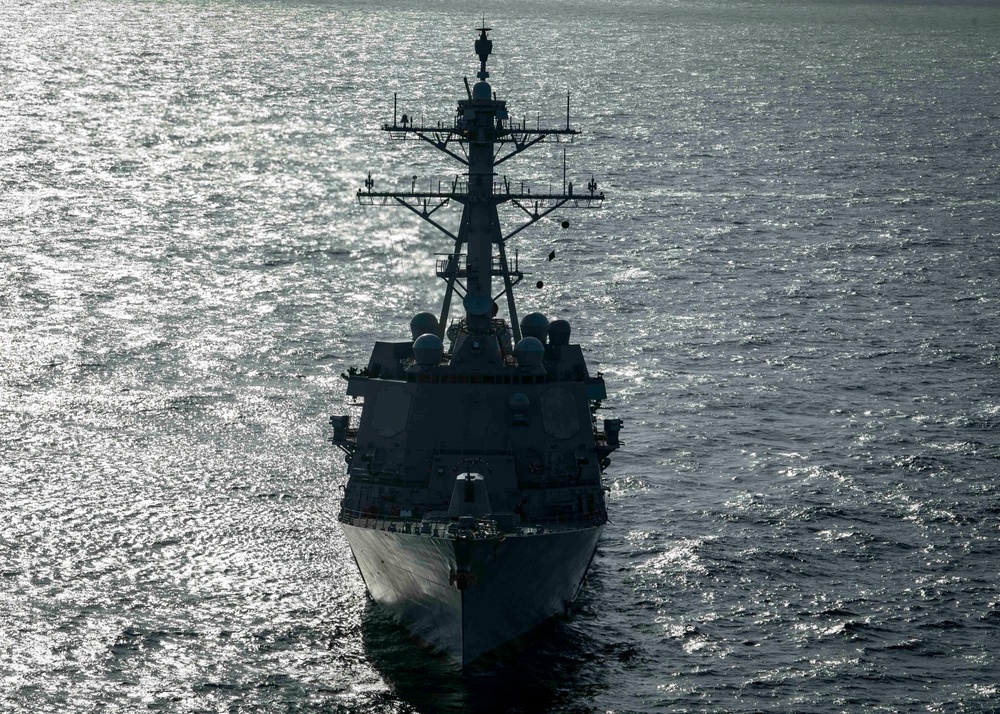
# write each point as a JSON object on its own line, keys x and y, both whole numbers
{"x": 469, "y": 497}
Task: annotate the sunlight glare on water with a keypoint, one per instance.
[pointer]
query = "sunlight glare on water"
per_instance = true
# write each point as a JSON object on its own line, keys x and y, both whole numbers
{"x": 791, "y": 292}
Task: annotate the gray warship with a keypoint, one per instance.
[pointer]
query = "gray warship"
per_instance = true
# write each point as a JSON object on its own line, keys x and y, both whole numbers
{"x": 474, "y": 500}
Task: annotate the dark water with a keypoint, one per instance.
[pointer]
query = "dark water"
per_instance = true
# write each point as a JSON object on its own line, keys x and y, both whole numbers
{"x": 792, "y": 292}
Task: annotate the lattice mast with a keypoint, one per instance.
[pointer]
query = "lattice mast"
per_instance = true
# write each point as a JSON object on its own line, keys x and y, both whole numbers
{"x": 482, "y": 137}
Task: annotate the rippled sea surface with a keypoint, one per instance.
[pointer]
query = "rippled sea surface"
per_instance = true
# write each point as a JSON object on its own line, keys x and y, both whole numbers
{"x": 792, "y": 292}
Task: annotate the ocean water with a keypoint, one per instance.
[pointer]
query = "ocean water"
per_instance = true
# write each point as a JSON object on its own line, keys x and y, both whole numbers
{"x": 792, "y": 292}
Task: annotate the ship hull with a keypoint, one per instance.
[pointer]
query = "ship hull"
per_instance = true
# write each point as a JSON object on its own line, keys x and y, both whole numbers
{"x": 466, "y": 597}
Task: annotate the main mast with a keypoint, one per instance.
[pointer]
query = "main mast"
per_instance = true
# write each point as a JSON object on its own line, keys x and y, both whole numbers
{"x": 481, "y": 118}
{"x": 482, "y": 137}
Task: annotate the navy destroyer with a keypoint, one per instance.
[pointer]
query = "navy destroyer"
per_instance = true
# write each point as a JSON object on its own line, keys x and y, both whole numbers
{"x": 474, "y": 500}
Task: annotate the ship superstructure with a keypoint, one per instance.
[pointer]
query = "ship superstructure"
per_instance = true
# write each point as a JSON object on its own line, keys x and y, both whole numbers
{"x": 474, "y": 499}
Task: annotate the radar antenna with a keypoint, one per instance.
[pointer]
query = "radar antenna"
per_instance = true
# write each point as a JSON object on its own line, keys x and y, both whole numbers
{"x": 484, "y": 47}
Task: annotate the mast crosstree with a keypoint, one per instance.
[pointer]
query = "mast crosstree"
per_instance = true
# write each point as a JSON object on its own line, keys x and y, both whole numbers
{"x": 481, "y": 137}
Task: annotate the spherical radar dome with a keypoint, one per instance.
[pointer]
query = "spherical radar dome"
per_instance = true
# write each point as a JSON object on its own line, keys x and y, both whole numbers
{"x": 482, "y": 90}
{"x": 428, "y": 350}
{"x": 536, "y": 325}
{"x": 519, "y": 401}
{"x": 559, "y": 332}
{"x": 423, "y": 323}
{"x": 529, "y": 352}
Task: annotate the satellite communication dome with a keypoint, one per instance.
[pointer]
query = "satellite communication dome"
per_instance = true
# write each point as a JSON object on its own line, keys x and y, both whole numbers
{"x": 519, "y": 401}
{"x": 422, "y": 324}
{"x": 428, "y": 350}
{"x": 559, "y": 331}
{"x": 482, "y": 90}
{"x": 536, "y": 325}
{"x": 529, "y": 352}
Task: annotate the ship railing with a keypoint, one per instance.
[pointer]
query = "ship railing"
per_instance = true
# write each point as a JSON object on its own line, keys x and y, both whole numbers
{"x": 443, "y": 190}
{"x": 465, "y": 378}
{"x": 383, "y": 478}
{"x": 438, "y": 527}
{"x": 452, "y": 266}
{"x": 543, "y": 480}
{"x": 533, "y": 482}
{"x": 420, "y": 187}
